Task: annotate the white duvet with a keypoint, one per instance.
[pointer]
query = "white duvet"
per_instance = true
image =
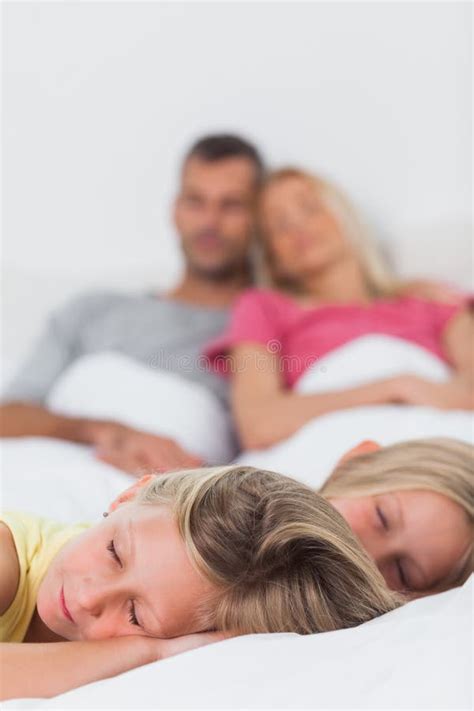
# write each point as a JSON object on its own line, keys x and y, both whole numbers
{"x": 311, "y": 454}
{"x": 416, "y": 657}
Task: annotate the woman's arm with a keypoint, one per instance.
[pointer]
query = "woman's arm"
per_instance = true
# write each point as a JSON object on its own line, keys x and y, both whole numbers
{"x": 458, "y": 392}
{"x": 49, "y": 669}
{"x": 458, "y": 342}
{"x": 265, "y": 412}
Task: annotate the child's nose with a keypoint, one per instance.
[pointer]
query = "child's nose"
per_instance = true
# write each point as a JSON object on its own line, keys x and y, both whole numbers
{"x": 105, "y": 625}
{"x": 100, "y": 613}
{"x": 95, "y": 594}
{"x": 91, "y": 599}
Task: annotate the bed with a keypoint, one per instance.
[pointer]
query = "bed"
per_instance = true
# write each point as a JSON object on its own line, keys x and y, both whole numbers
{"x": 415, "y": 657}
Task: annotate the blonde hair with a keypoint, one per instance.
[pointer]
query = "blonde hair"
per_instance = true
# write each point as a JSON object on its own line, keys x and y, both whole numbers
{"x": 439, "y": 464}
{"x": 378, "y": 277}
{"x": 280, "y": 557}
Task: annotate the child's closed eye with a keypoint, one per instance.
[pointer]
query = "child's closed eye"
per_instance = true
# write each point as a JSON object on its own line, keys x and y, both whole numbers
{"x": 113, "y": 552}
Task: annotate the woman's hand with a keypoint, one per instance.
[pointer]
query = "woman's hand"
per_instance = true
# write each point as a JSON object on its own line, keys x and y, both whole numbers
{"x": 455, "y": 394}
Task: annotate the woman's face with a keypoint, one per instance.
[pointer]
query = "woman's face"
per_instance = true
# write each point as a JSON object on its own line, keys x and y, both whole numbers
{"x": 130, "y": 575}
{"x": 300, "y": 232}
{"x": 418, "y": 539}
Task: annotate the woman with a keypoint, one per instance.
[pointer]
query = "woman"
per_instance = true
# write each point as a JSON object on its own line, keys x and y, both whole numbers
{"x": 181, "y": 560}
{"x": 329, "y": 288}
{"x": 412, "y": 507}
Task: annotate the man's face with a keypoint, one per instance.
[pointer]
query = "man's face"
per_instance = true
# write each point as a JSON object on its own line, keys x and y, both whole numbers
{"x": 214, "y": 215}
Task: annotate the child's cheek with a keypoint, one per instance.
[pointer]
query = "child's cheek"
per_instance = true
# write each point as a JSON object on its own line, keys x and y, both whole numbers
{"x": 106, "y": 627}
{"x": 48, "y": 602}
{"x": 81, "y": 556}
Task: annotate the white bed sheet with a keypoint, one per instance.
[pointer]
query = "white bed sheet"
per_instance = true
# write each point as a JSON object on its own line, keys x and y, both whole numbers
{"x": 416, "y": 657}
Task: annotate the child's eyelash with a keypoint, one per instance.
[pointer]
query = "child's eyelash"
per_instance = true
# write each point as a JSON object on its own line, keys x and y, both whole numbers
{"x": 132, "y": 616}
{"x": 402, "y": 576}
{"x": 131, "y": 613}
{"x": 113, "y": 552}
{"x": 382, "y": 518}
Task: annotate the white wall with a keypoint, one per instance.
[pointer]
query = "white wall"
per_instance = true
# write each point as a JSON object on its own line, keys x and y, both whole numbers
{"x": 101, "y": 100}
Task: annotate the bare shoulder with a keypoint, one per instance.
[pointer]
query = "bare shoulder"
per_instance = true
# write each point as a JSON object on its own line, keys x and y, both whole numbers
{"x": 9, "y": 569}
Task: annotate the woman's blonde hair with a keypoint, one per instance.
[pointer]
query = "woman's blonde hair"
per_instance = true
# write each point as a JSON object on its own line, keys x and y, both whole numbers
{"x": 378, "y": 277}
{"x": 280, "y": 557}
{"x": 438, "y": 464}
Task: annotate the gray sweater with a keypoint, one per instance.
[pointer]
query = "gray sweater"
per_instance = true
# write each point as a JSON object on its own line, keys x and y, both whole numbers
{"x": 157, "y": 331}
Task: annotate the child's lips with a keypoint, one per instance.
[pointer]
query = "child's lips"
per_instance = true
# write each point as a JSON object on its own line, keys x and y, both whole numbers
{"x": 64, "y": 607}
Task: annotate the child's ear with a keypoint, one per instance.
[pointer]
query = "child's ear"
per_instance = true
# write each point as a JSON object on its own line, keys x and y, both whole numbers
{"x": 364, "y": 447}
{"x": 131, "y": 492}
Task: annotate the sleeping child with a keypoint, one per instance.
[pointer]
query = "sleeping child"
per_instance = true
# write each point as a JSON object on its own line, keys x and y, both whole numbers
{"x": 179, "y": 561}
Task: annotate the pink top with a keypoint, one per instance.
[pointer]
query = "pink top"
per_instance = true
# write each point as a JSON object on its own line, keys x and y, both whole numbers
{"x": 300, "y": 335}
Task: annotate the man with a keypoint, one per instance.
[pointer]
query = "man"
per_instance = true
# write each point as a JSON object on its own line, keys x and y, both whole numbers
{"x": 213, "y": 214}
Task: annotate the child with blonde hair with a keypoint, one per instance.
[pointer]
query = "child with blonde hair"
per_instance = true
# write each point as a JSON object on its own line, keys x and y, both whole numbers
{"x": 412, "y": 507}
{"x": 180, "y": 560}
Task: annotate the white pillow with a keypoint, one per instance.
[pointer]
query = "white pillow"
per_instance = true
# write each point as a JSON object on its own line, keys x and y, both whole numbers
{"x": 59, "y": 480}
{"x": 370, "y": 358}
{"x": 417, "y": 657}
{"x": 311, "y": 454}
{"x": 113, "y": 386}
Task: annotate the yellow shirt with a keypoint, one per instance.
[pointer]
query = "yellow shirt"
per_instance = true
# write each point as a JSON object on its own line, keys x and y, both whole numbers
{"x": 37, "y": 540}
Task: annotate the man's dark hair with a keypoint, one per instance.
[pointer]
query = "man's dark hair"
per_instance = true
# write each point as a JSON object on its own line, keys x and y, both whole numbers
{"x": 218, "y": 147}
